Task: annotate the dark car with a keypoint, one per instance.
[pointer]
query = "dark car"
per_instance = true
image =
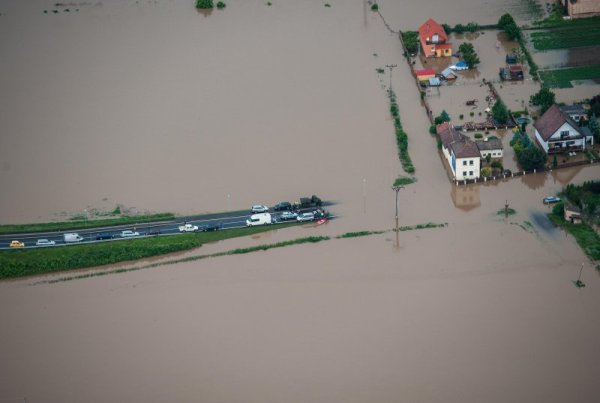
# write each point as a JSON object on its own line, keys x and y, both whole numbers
{"x": 104, "y": 235}
{"x": 153, "y": 231}
{"x": 283, "y": 206}
{"x": 210, "y": 227}
{"x": 507, "y": 172}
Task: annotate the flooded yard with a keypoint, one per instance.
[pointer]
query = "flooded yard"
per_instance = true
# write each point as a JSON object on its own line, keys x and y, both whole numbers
{"x": 156, "y": 106}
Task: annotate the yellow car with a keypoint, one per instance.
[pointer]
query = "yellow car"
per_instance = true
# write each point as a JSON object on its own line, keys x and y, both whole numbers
{"x": 17, "y": 244}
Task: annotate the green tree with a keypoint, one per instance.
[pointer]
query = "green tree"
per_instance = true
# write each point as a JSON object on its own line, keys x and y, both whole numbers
{"x": 447, "y": 28}
{"x": 472, "y": 26}
{"x": 544, "y": 98}
{"x": 593, "y": 126}
{"x": 203, "y": 4}
{"x": 468, "y": 54}
{"x": 459, "y": 28}
{"x": 505, "y": 20}
{"x": 411, "y": 41}
{"x": 531, "y": 158}
{"x": 512, "y": 31}
{"x": 499, "y": 112}
{"x": 554, "y": 161}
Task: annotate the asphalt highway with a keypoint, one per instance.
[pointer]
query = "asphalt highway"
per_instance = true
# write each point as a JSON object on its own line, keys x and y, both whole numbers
{"x": 222, "y": 221}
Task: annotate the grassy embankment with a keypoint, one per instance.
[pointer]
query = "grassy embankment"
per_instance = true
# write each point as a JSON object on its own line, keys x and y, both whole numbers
{"x": 83, "y": 224}
{"x": 561, "y": 78}
{"x": 28, "y": 262}
{"x": 42, "y": 263}
{"x": 586, "y": 237}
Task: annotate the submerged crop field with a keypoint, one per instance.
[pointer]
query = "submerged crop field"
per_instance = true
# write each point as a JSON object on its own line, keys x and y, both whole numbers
{"x": 562, "y": 78}
{"x": 567, "y": 36}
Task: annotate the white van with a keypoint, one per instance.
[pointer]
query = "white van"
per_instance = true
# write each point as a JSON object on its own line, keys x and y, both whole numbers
{"x": 259, "y": 219}
{"x": 72, "y": 237}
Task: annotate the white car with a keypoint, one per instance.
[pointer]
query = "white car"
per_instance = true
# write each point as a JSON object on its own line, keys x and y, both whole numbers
{"x": 44, "y": 242}
{"x": 305, "y": 217}
{"x": 128, "y": 234}
{"x": 259, "y": 208}
{"x": 288, "y": 215}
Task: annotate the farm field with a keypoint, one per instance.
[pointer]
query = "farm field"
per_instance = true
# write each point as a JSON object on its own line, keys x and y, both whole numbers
{"x": 562, "y": 78}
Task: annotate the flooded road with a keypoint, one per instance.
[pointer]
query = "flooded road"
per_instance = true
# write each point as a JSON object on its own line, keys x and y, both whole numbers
{"x": 153, "y": 105}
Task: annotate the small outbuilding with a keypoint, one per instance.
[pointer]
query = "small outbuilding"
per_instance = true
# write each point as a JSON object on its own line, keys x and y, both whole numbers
{"x": 434, "y": 82}
{"x": 572, "y": 214}
{"x": 448, "y": 74}
{"x": 424, "y": 75}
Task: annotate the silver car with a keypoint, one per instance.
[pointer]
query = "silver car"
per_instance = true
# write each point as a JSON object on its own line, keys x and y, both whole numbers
{"x": 305, "y": 217}
{"x": 44, "y": 242}
{"x": 128, "y": 234}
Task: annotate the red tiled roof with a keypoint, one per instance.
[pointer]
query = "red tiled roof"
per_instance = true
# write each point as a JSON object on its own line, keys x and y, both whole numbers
{"x": 427, "y": 72}
{"x": 443, "y": 46}
{"x": 551, "y": 121}
{"x": 442, "y": 127}
{"x": 430, "y": 28}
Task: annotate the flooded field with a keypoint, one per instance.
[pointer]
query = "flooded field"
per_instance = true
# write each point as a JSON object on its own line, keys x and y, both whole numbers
{"x": 153, "y": 105}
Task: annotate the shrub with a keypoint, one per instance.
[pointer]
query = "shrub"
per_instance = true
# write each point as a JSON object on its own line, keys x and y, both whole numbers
{"x": 380, "y": 70}
{"x": 499, "y": 112}
{"x": 204, "y": 4}
{"x": 411, "y": 41}
{"x": 220, "y": 5}
{"x": 375, "y": 7}
{"x": 471, "y": 113}
{"x": 544, "y": 98}
{"x": 459, "y": 28}
{"x": 432, "y": 129}
{"x": 486, "y": 172}
{"x": 472, "y": 27}
{"x": 531, "y": 158}
{"x": 478, "y": 135}
{"x": 461, "y": 116}
{"x": 496, "y": 165}
{"x": 447, "y": 28}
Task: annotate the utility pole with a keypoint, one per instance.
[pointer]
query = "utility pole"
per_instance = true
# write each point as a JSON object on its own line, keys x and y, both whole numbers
{"x": 391, "y": 66}
{"x": 397, "y": 190}
{"x": 579, "y": 283}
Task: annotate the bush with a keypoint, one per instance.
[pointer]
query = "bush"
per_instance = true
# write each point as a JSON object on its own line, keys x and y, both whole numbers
{"x": 531, "y": 158}
{"x": 459, "y": 28}
{"x": 375, "y": 7}
{"x": 544, "y": 98}
{"x": 461, "y": 116}
{"x": 204, "y": 4}
{"x": 472, "y": 27}
{"x": 478, "y": 135}
{"x": 411, "y": 41}
{"x": 496, "y": 165}
{"x": 499, "y": 112}
{"x": 432, "y": 129}
{"x": 471, "y": 113}
{"x": 220, "y": 5}
{"x": 486, "y": 172}
{"x": 447, "y": 28}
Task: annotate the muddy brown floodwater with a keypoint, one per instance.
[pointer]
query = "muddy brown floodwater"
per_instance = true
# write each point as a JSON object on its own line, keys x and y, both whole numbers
{"x": 153, "y": 105}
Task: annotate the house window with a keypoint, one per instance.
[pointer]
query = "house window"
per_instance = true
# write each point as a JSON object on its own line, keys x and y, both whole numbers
{"x": 465, "y": 173}
{"x": 471, "y": 173}
{"x": 564, "y": 133}
{"x": 464, "y": 163}
{"x": 470, "y": 162}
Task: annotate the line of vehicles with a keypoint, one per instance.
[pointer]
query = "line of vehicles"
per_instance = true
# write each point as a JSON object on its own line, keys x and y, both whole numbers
{"x": 308, "y": 209}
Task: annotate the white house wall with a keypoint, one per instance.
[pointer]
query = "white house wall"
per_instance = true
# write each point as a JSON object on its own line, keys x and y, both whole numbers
{"x": 467, "y": 171}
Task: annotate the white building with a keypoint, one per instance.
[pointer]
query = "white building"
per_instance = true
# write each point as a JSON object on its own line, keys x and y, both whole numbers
{"x": 492, "y": 147}
{"x": 462, "y": 154}
{"x": 556, "y": 132}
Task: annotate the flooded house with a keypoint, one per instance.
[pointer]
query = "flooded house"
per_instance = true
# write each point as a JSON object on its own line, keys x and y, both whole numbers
{"x": 490, "y": 146}
{"x": 512, "y": 72}
{"x": 576, "y": 112}
{"x": 460, "y": 151}
{"x": 572, "y": 214}
{"x": 556, "y": 132}
{"x": 423, "y": 76}
{"x": 434, "y": 40}
{"x": 582, "y": 8}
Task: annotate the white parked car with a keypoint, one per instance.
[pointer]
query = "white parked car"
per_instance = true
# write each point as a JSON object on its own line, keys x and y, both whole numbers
{"x": 305, "y": 217}
{"x": 288, "y": 215}
{"x": 128, "y": 234}
{"x": 259, "y": 208}
{"x": 259, "y": 219}
{"x": 44, "y": 242}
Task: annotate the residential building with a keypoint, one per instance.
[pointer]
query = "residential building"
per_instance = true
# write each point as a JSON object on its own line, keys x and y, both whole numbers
{"x": 492, "y": 147}
{"x": 556, "y": 132}
{"x": 582, "y": 8}
{"x": 461, "y": 153}
{"x": 424, "y": 75}
{"x": 572, "y": 214}
{"x": 434, "y": 41}
{"x": 576, "y": 112}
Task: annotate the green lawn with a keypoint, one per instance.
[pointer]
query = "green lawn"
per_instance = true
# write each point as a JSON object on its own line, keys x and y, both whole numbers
{"x": 561, "y": 78}
{"x": 586, "y": 237}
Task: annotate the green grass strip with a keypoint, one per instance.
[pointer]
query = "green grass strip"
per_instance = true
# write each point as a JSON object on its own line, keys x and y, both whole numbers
{"x": 561, "y": 38}
{"x": 401, "y": 136}
{"x": 586, "y": 237}
{"x": 29, "y": 262}
{"x": 561, "y": 78}
{"x": 83, "y": 224}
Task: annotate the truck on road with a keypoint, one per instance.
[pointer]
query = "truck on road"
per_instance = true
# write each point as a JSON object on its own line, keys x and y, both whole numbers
{"x": 188, "y": 228}
{"x": 72, "y": 237}
{"x": 259, "y": 219}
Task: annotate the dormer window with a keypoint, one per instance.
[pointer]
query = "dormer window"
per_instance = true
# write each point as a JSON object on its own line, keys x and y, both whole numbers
{"x": 564, "y": 133}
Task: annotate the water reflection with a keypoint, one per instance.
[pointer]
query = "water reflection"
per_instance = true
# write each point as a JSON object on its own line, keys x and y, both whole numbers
{"x": 466, "y": 197}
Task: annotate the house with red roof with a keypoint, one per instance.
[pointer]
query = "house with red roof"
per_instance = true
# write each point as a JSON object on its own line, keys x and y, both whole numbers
{"x": 434, "y": 41}
{"x": 556, "y": 132}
